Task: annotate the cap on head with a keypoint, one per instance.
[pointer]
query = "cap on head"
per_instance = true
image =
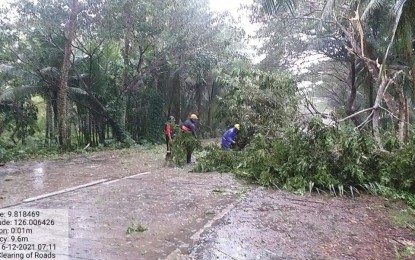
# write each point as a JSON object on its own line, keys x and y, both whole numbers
{"x": 237, "y": 126}
{"x": 171, "y": 118}
{"x": 193, "y": 116}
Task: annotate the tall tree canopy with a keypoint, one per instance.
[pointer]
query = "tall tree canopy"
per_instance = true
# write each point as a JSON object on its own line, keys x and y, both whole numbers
{"x": 115, "y": 69}
{"x": 372, "y": 65}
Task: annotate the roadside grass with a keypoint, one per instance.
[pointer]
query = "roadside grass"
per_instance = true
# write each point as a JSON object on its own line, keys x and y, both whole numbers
{"x": 407, "y": 252}
{"x": 404, "y": 217}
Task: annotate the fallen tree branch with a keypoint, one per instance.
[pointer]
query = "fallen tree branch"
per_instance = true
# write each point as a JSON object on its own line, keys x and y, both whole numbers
{"x": 394, "y": 116}
{"x": 309, "y": 103}
{"x": 355, "y": 114}
{"x": 365, "y": 121}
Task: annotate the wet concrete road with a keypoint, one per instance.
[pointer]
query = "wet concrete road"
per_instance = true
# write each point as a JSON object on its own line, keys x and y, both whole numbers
{"x": 277, "y": 225}
{"x": 192, "y": 215}
{"x": 109, "y": 192}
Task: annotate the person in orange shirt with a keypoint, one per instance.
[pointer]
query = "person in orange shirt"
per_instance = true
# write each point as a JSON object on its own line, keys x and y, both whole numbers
{"x": 168, "y": 132}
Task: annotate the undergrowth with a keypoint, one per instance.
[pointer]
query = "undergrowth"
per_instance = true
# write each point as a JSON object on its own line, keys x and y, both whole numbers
{"x": 38, "y": 150}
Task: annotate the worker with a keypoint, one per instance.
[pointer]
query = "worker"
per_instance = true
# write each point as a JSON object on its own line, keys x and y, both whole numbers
{"x": 168, "y": 132}
{"x": 229, "y": 137}
{"x": 189, "y": 126}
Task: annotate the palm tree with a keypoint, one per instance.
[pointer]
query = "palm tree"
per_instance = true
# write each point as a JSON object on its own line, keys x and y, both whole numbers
{"x": 63, "y": 82}
{"x": 369, "y": 50}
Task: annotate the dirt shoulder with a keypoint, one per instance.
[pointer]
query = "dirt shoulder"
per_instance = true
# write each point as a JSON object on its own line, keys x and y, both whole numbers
{"x": 187, "y": 215}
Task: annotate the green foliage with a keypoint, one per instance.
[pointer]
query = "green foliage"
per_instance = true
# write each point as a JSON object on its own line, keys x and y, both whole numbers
{"x": 261, "y": 102}
{"x": 397, "y": 169}
{"x": 136, "y": 228}
{"x": 3, "y": 155}
{"x": 314, "y": 156}
{"x": 393, "y": 193}
{"x": 34, "y": 148}
{"x": 125, "y": 56}
{"x": 19, "y": 118}
{"x": 403, "y": 217}
{"x": 154, "y": 119}
{"x": 407, "y": 252}
{"x": 216, "y": 159}
{"x": 182, "y": 143}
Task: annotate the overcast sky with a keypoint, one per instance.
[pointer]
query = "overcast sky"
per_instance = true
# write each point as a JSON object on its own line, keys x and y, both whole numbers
{"x": 3, "y": 2}
{"x": 242, "y": 18}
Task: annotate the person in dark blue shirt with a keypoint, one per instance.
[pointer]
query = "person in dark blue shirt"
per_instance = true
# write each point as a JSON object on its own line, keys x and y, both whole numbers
{"x": 229, "y": 137}
{"x": 189, "y": 125}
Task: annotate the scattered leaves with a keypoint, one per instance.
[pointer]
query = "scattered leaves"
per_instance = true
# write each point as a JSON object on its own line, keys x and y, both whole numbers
{"x": 136, "y": 228}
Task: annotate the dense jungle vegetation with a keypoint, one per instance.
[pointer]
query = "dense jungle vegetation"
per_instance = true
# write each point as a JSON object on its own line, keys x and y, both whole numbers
{"x": 77, "y": 74}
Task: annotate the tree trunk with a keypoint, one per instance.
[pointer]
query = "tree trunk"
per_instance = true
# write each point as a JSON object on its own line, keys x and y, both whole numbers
{"x": 353, "y": 92}
{"x": 391, "y": 104}
{"x": 402, "y": 114}
{"x": 211, "y": 85}
{"x": 69, "y": 124}
{"x": 49, "y": 133}
{"x": 376, "y": 111}
{"x": 406, "y": 128}
{"x": 63, "y": 85}
{"x": 199, "y": 89}
{"x": 155, "y": 81}
{"x": 175, "y": 97}
{"x": 126, "y": 58}
{"x": 55, "y": 118}
{"x": 385, "y": 82}
{"x": 410, "y": 54}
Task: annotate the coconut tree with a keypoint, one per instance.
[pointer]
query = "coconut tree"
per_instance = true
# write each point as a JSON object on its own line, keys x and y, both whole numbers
{"x": 63, "y": 82}
{"x": 372, "y": 44}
